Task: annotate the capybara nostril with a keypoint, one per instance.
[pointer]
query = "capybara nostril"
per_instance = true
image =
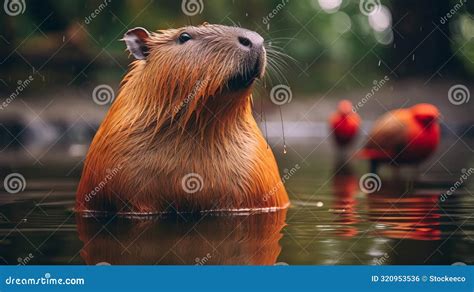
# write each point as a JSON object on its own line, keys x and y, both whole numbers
{"x": 249, "y": 40}
{"x": 245, "y": 42}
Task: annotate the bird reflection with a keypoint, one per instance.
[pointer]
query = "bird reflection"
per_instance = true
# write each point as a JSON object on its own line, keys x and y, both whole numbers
{"x": 207, "y": 240}
{"x": 406, "y": 214}
{"x": 344, "y": 188}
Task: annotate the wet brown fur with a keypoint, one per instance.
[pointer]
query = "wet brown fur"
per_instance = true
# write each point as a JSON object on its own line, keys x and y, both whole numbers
{"x": 174, "y": 115}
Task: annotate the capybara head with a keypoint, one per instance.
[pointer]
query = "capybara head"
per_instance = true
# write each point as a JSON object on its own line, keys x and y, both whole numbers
{"x": 189, "y": 67}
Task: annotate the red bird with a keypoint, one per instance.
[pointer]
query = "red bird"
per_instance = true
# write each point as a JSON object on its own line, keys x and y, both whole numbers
{"x": 344, "y": 123}
{"x": 404, "y": 136}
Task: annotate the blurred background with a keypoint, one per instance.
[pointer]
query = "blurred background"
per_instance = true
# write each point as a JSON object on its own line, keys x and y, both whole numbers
{"x": 380, "y": 54}
{"x": 55, "y": 53}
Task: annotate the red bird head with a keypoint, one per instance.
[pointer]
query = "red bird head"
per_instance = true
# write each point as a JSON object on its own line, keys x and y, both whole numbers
{"x": 425, "y": 114}
{"x": 344, "y": 107}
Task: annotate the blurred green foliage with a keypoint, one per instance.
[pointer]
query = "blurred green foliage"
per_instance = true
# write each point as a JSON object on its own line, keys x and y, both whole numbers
{"x": 68, "y": 42}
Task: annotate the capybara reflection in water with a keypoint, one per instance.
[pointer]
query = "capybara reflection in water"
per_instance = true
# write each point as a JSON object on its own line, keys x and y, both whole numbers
{"x": 180, "y": 136}
{"x": 208, "y": 240}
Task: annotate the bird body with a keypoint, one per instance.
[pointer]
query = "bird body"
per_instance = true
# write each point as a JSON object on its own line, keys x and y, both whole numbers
{"x": 404, "y": 136}
{"x": 344, "y": 124}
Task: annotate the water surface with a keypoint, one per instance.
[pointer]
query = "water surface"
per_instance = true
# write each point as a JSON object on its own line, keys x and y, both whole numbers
{"x": 331, "y": 220}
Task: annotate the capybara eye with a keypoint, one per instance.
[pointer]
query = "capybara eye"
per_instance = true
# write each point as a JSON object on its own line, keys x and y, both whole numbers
{"x": 184, "y": 37}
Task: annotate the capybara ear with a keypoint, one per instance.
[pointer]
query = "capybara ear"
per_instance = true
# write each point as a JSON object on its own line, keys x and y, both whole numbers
{"x": 136, "y": 40}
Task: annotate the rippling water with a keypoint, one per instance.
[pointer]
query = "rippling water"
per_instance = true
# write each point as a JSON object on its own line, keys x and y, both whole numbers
{"x": 331, "y": 221}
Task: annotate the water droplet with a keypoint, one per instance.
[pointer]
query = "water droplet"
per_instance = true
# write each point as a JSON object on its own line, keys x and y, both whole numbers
{"x": 283, "y": 131}
{"x": 268, "y": 26}
{"x": 64, "y": 38}
{"x": 380, "y": 62}
{"x": 413, "y": 57}
{"x": 319, "y": 204}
